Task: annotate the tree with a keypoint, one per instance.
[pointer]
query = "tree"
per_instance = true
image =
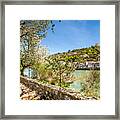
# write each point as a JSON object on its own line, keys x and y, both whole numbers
{"x": 91, "y": 86}
{"x": 61, "y": 69}
{"x": 33, "y": 29}
{"x": 31, "y": 33}
{"x": 39, "y": 60}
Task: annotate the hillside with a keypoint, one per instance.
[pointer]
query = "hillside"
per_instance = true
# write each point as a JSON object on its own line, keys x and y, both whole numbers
{"x": 80, "y": 55}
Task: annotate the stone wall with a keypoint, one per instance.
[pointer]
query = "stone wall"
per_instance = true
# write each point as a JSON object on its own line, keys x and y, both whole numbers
{"x": 33, "y": 90}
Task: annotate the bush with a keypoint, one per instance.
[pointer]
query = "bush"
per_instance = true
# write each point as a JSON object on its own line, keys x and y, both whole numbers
{"x": 91, "y": 86}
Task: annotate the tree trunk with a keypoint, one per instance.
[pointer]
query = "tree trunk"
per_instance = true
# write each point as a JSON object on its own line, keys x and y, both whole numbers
{"x": 22, "y": 71}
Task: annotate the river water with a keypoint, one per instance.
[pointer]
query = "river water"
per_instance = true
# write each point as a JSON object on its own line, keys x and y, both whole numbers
{"x": 80, "y": 76}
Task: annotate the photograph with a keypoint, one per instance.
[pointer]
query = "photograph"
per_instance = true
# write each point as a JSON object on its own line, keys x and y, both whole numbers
{"x": 60, "y": 59}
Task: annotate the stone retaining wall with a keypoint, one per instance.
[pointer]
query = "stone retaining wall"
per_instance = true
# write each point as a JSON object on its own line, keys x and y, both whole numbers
{"x": 33, "y": 90}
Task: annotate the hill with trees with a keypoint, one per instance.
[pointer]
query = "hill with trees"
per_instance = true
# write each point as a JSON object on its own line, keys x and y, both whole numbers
{"x": 80, "y": 55}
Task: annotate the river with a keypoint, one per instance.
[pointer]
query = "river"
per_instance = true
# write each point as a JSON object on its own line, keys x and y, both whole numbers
{"x": 80, "y": 76}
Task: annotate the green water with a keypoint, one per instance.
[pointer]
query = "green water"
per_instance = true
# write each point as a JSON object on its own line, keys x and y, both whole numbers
{"x": 76, "y": 86}
{"x": 80, "y": 77}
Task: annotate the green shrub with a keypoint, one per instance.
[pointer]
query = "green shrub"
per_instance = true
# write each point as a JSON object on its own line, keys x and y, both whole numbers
{"x": 91, "y": 86}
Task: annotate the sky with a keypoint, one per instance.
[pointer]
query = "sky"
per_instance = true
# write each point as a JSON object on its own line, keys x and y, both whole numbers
{"x": 72, "y": 34}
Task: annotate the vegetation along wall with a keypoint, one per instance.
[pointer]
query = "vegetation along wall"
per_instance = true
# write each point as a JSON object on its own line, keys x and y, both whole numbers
{"x": 32, "y": 90}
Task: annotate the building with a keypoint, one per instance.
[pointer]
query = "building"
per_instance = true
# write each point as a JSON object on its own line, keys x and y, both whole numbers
{"x": 88, "y": 65}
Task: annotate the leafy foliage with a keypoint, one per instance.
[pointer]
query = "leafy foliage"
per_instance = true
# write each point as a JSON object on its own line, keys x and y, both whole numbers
{"x": 33, "y": 29}
{"x": 61, "y": 69}
{"x": 31, "y": 34}
{"x": 91, "y": 86}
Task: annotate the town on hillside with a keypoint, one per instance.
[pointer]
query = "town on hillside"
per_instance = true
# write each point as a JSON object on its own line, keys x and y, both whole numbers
{"x": 84, "y": 58}
{"x": 88, "y": 65}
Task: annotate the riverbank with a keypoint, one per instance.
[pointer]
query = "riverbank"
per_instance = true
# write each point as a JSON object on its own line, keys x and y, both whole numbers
{"x": 32, "y": 90}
